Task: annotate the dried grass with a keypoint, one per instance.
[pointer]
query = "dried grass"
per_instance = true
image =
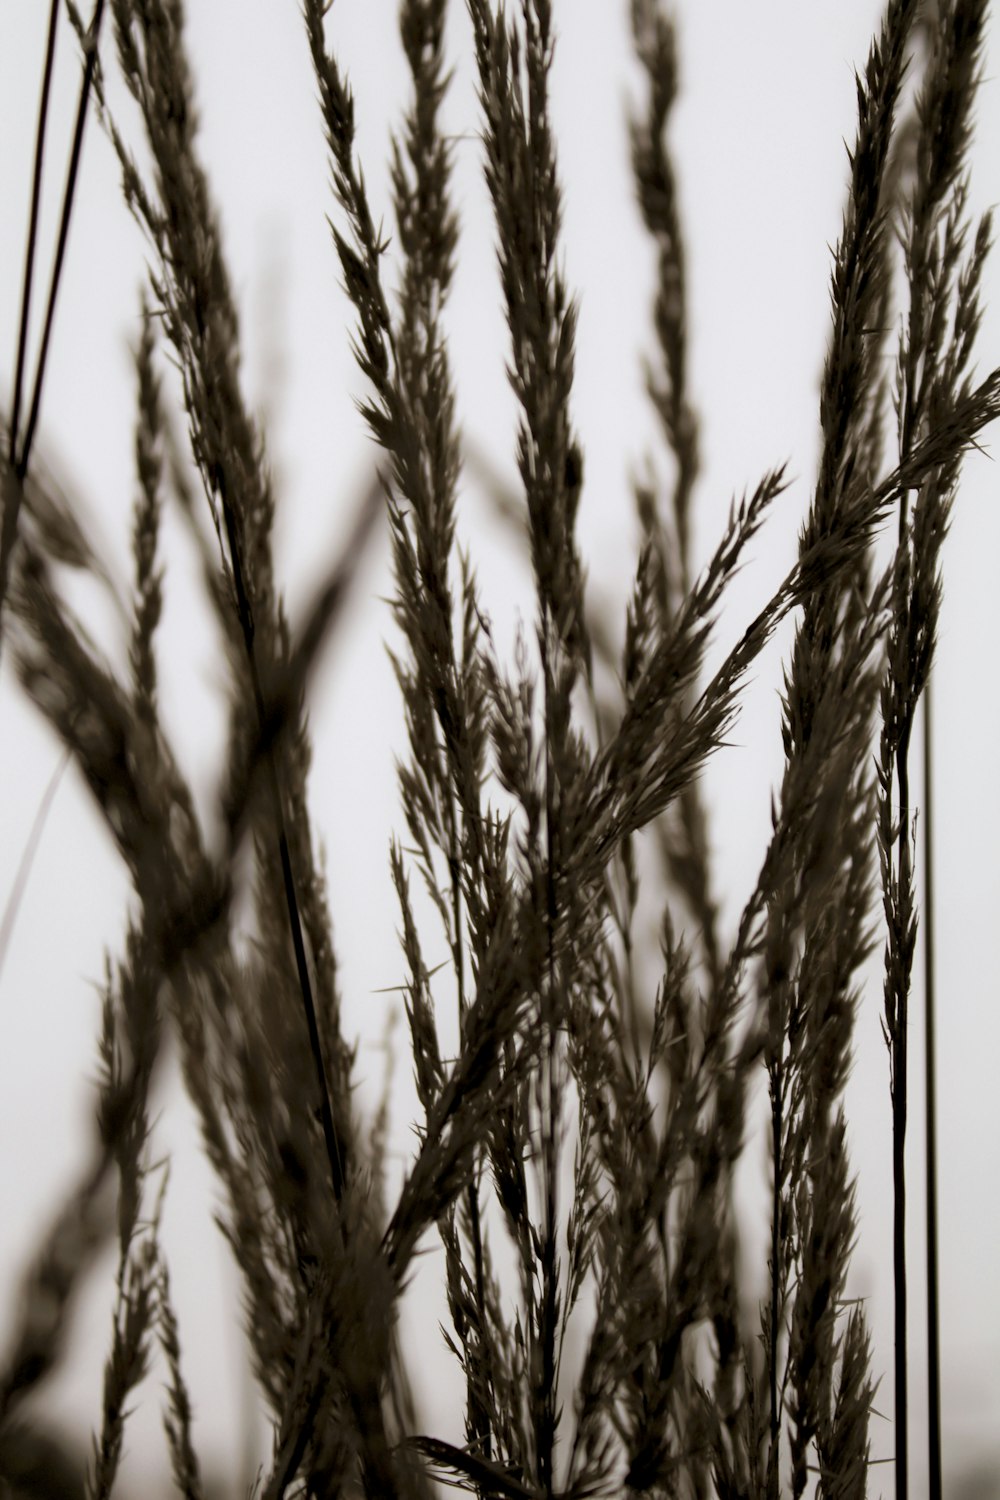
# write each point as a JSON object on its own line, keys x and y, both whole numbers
{"x": 587, "y": 1133}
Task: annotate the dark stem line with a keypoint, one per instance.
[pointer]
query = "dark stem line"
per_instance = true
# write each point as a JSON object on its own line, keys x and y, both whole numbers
{"x": 901, "y": 980}
{"x": 13, "y": 494}
{"x": 479, "y": 1416}
{"x": 295, "y": 1448}
{"x": 899, "y": 1260}
{"x": 899, "y": 1110}
{"x": 546, "y": 1471}
{"x": 331, "y": 1139}
{"x": 930, "y": 1083}
{"x": 69, "y": 193}
{"x": 777, "y": 1085}
{"x": 32, "y": 244}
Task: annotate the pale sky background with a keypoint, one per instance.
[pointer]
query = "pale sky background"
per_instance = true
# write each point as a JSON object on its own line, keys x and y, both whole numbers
{"x": 768, "y": 101}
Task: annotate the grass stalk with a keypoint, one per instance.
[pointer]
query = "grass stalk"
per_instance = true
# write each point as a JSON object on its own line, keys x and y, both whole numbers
{"x": 942, "y": 279}
{"x": 934, "y": 1468}
{"x": 595, "y": 1306}
{"x": 20, "y": 451}
{"x": 62, "y": 237}
{"x": 31, "y": 242}
{"x": 334, "y": 1150}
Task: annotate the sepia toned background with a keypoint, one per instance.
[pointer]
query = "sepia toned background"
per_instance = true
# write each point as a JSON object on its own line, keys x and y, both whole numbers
{"x": 758, "y": 136}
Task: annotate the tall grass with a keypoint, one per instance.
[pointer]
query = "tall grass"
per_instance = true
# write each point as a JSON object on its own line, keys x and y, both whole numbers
{"x": 576, "y": 1158}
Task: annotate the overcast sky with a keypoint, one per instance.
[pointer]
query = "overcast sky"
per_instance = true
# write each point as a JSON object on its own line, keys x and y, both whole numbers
{"x": 768, "y": 103}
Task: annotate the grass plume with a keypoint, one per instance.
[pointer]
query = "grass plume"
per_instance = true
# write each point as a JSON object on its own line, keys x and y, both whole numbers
{"x": 576, "y": 1157}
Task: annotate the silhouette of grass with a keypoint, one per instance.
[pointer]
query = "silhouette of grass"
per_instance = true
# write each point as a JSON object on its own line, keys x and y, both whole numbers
{"x": 586, "y": 1133}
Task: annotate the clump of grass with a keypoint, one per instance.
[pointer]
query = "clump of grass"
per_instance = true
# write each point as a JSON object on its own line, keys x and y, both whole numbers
{"x": 576, "y": 1158}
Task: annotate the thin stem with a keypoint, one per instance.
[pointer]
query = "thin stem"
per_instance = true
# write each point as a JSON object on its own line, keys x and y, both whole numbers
{"x": 20, "y": 882}
{"x": 930, "y": 1084}
{"x": 90, "y": 62}
{"x": 899, "y": 1099}
{"x": 13, "y": 495}
{"x": 550, "y": 1104}
{"x": 330, "y": 1136}
{"x": 482, "y": 1419}
{"x": 899, "y": 1259}
{"x": 777, "y": 1085}
{"x": 479, "y": 1416}
{"x": 32, "y": 245}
